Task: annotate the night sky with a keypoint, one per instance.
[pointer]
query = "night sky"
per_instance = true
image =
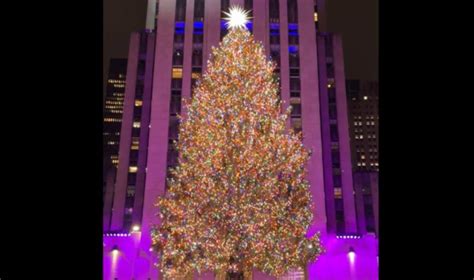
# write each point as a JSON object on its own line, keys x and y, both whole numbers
{"x": 356, "y": 21}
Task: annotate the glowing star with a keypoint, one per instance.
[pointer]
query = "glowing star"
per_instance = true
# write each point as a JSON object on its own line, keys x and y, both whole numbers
{"x": 236, "y": 17}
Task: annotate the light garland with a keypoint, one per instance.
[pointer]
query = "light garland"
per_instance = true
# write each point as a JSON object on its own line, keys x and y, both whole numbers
{"x": 238, "y": 198}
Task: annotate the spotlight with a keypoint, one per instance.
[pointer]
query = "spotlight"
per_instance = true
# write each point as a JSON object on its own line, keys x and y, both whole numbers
{"x": 115, "y": 249}
{"x": 136, "y": 228}
{"x": 351, "y": 252}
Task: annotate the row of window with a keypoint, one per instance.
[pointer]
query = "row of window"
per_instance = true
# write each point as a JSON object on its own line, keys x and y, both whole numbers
{"x": 113, "y": 107}
{"x": 364, "y": 164}
{"x": 366, "y": 117}
{"x": 112, "y": 81}
{"x": 115, "y": 111}
{"x": 112, "y": 120}
{"x": 114, "y": 102}
{"x": 370, "y": 156}
{"x": 361, "y": 136}
{"x": 366, "y": 123}
{"x": 134, "y": 146}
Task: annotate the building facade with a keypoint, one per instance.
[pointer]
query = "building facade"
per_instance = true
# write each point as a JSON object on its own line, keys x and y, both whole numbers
{"x": 363, "y": 98}
{"x": 164, "y": 62}
{"x": 113, "y": 109}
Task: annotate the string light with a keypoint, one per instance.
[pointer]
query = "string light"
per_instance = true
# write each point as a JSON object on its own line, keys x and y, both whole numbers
{"x": 238, "y": 198}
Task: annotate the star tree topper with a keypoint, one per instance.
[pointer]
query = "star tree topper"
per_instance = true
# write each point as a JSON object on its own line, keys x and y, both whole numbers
{"x": 236, "y": 17}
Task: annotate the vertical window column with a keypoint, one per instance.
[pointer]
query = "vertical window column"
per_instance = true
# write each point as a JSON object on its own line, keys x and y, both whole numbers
{"x": 294, "y": 63}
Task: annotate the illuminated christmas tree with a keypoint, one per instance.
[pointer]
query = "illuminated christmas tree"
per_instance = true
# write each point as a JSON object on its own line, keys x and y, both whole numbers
{"x": 238, "y": 198}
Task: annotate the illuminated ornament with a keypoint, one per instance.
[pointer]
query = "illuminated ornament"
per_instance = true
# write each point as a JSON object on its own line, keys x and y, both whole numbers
{"x": 236, "y": 17}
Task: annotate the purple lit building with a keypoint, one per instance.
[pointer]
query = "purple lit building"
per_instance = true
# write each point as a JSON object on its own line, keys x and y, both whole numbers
{"x": 163, "y": 63}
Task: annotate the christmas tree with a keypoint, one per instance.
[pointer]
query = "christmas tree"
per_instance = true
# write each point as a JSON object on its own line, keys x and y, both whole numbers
{"x": 238, "y": 198}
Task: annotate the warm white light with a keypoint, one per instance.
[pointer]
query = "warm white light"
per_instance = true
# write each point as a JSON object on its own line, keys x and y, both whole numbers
{"x": 365, "y": 97}
{"x": 351, "y": 255}
{"x": 115, "y": 250}
{"x": 236, "y": 17}
{"x": 136, "y": 228}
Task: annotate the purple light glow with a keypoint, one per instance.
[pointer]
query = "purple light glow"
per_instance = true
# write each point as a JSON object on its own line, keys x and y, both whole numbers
{"x": 131, "y": 260}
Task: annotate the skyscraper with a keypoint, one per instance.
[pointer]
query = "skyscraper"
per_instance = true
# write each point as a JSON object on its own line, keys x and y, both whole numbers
{"x": 363, "y": 98}
{"x": 114, "y": 95}
{"x": 163, "y": 63}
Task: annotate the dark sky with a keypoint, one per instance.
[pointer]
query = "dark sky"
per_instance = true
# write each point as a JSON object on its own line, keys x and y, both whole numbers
{"x": 356, "y": 21}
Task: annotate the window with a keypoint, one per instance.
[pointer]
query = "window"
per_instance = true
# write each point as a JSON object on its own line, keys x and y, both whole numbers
{"x": 180, "y": 10}
{"x": 337, "y": 193}
{"x": 274, "y": 37}
{"x": 331, "y": 82}
{"x": 330, "y": 70}
{"x": 296, "y": 111}
{"x": 294, "y": 84}
{"x": 292, "y": 11}
{"x": 132, "y": 169}
{"x": 198, "y": 10}
{"x": 131, "y": 190}
{"x": 172, "y": 157}
{"x": 248, "y": 5}
{"x": 332, "y": 95}
{"x": 293, "y": 39}
{"x": 135, "y": 143}
{"x": 294, "y": 72}
{"x": 335, "y": 158}
{"x": 131, "y": 178}
{"x": 332, "y": 112}
{"x": 176, "y": 82}
{"x": 274, "y": 11}
{"x": 138, "y": 103}
{"x": 296, "y": 124}
{"x": 136, "y": 124}
{"x": 294, "y": 60}
{"x": 197, "y": 57}
{"x": 173, "y": 128}
{"x": 295, "y": 94}
{"x": 337, "y": 180}
{"x": 177, "y": 73}
{"x": 334, "y": 133}
{"x": 178, "y": 58}
{"x": 175, "y": 104}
